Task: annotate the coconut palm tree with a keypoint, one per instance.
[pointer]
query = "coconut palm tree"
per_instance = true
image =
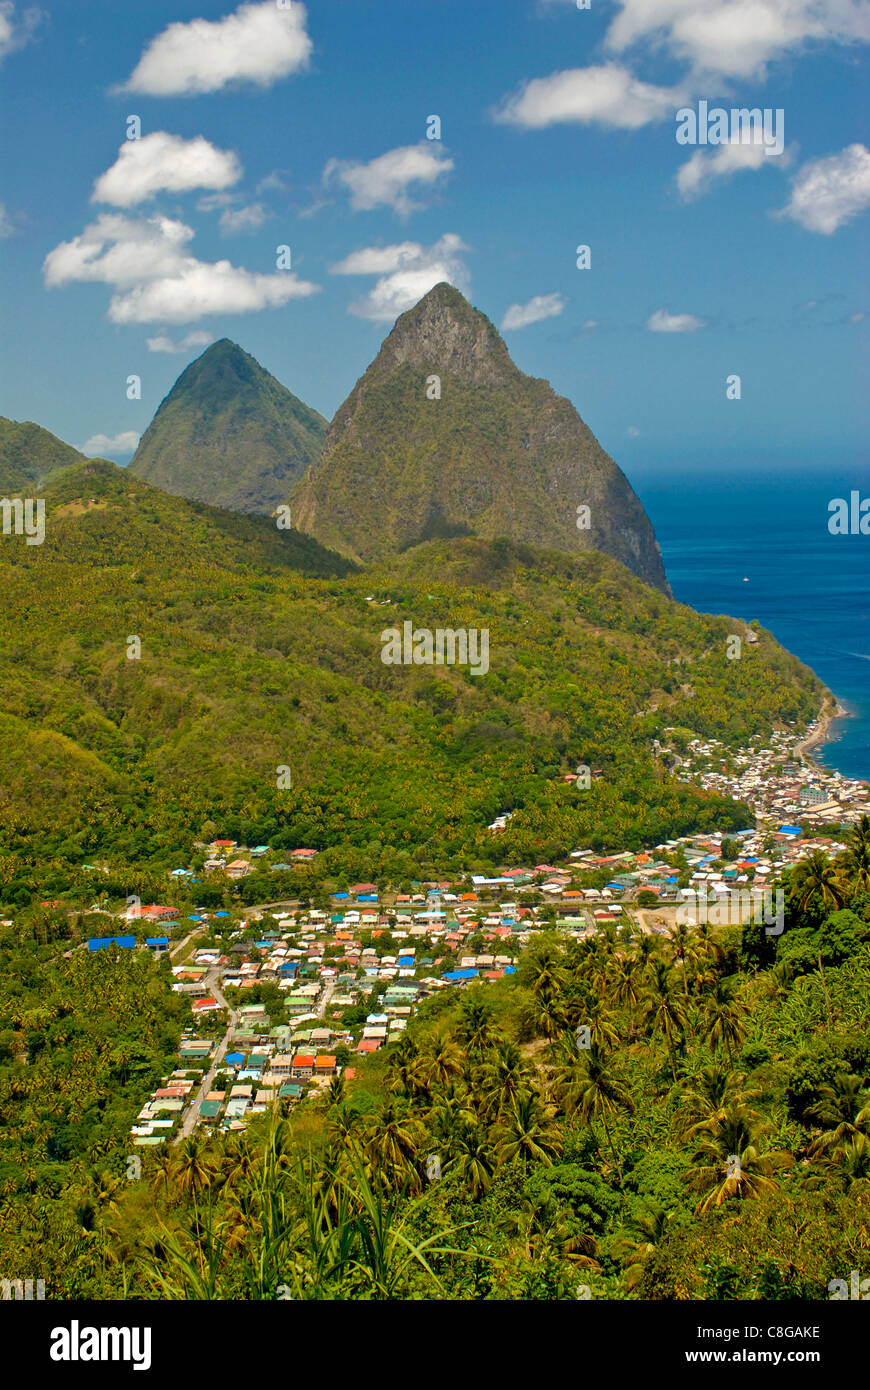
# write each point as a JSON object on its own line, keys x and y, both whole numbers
{"x": 592, "y": 1087}
{"x": 476, "y": 1028}
{"x": 857, "y": 857}
{"x": 641, "y": 1237}
{"x": 817, "y": 877}
{"x": 728, "y": 1163}
{"x": 714, "y": 1090}
{"x": 723, "y": 1020}
{"x": 392, "y": 1141}
{"x": 472, "y": 1159}
{"x": 195, "y": 1167}
{"x": 526, "y": 1133}
{"x": 506, "y": 1075}
{"x": 664, "y": 1012}
{"x": 843, "y": 1110}
{"x": 441, "y": 1061}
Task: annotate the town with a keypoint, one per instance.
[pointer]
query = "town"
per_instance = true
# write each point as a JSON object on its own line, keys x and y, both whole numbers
{"x": 285, "y": 996}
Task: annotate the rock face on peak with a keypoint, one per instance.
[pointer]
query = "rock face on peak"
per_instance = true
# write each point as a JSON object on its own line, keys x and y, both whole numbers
{"x": 444, "y": 436}
{"x": 229, "y": 434}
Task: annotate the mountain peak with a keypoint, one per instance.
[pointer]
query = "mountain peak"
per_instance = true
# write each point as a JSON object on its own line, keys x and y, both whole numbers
{"x": 444, "y": 436}
{"x": 444, "y": 333}
{"x": 229, "y": 434}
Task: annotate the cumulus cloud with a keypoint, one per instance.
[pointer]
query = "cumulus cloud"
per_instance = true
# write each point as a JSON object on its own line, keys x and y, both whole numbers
{"x": 7, "y": 227}
{"x": 156, "y": 280}
{"x": 385, "y": 181}
{"x": 406, "y": 272}
{"x": 698, "y": 174}
{"x": 233, "y": 220}
{"x": 543, "y": 306}
{"x": 109, "y": 446}
{"x": 608, "y": 95}
{"x": 259, "y": 43}
{"x": 736, "y": 38}
{"x": 828, "y": 192}
{"x": 17, "y": 29}
{"x": 663, "y": 322}
{"x": 163, "y": 343}
{"x": 163, "y": 163}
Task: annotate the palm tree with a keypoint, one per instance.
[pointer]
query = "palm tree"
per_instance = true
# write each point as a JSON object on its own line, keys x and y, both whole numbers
{"x": 543, "y": 971}
{"x": 728, "y": 1162}
{"x": 591, "y": 1084}
{"x": 849, "y": 1166}
{"x": 476, "y": 1027}
{"x": 723, "y": 1021}
{"x": 713, "y": 1091}
{"x": 844, "y": 1112}
{"x": 525, "y": 1132}
{"x": 641, "y": 1237}
{"x": 392, "y": 1142}
{"x": 857, "y": 857}
{"x": 541, "y": 1225}
{"x": 195, "y": 1168}
{"x": 817, "y": 877}
{"x": 506, "y": 1073}
{"x": 664, "y": 1013}
{"x": 472, "y": 1159}
{"x": 441, "y": 1061}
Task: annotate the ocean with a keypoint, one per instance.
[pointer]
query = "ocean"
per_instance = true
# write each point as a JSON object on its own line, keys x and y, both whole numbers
{"x": 758, "y": 546}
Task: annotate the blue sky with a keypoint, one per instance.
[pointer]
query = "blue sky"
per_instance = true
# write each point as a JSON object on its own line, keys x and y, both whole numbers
{"x": 265, "y": 125}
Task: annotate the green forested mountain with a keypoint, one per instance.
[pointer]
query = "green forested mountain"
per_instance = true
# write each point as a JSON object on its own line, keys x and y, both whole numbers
{"x": 28, "y": 453}
{"x": 229, "y": 434}
{"x": 260, "y": 651}
{"x": 497, "y": 453}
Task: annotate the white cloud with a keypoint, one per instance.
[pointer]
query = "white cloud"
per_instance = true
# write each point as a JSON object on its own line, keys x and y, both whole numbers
{"x": 107, "y": 446}
{"x": 663, "y": 322}
{"x": 16, "y": 31}
{"x": 736, "y": 38}
{"x": 699, "y": 173}
{"x": 376, "y": 260}
{"x": 633, "y": 432}
{"x": 163, "y": 343}
{"x": 120, "y": 251}
{"x": 259, "y": 43}
{"x": 609, "y": 95}
{"x": 247, "y": 219}
{"x": 7, "y": 227}
{"x": 146, "y": 262}
{"x": 161, "y": 162}
{"x": 543, "y": 306}
{"x": 385, "y": 181}
{"x": 826, "y": 193}
{"x": 406, "y": 272}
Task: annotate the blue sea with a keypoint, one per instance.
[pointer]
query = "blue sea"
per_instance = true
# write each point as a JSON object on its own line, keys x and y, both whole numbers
{"x": 756, "y": 545}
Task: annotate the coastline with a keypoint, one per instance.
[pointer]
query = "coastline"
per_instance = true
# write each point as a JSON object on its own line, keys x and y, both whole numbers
{"x": 830, "y": 711}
